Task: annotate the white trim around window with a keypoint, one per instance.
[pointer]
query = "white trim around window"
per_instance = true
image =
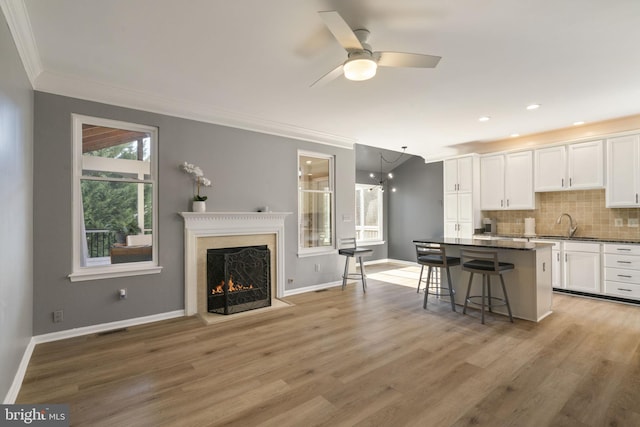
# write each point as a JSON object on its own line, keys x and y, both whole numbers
{"x": 316, "y": 196}
{"x": 93, "y": 272}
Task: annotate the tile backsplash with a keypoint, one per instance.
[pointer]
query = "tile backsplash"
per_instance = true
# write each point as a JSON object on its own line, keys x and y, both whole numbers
{"x": 586, "y": 207}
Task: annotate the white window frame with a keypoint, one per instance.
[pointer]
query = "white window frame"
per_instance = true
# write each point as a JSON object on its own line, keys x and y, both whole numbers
{"x": 80, "y": 273}
{"x": 363, "y": 188}
{"x": 303, "y": 251}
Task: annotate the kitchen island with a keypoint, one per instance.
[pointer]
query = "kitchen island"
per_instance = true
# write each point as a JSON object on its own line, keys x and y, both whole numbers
{"x": 528, "y": 285}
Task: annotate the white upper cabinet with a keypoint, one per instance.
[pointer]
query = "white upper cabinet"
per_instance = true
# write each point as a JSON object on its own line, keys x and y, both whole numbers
{"x": 518, "y": 180}
{"x": 550, "y": 168}
{"x": 506, "y": 181}
{"x": 458, "y": 175}
{"x": 585, "y": 165}
{"x": 492, "y": 182}
{"x": 623, "y": 171}
{"x": 569, "y": 167}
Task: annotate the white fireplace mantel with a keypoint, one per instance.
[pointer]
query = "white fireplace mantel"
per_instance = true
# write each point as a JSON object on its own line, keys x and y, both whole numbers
{"x": 212, "y": 224}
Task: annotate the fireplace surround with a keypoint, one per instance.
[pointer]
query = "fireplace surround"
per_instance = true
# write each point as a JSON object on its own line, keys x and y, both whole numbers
{"x": 211, "y": 230}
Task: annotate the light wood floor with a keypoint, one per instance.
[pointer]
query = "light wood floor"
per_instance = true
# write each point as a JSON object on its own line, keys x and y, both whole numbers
{"x": 352, "y": 359}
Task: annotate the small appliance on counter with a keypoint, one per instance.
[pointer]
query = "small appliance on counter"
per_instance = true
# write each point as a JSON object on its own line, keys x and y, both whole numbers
{"x": 490, "y": 226}
{"x": 529, "y": 227}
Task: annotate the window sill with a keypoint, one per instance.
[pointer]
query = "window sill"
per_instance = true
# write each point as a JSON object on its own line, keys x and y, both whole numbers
{"x": 370, "y": 242}
{"x": 328, "y": 251}
{"x": 112, "y": 272}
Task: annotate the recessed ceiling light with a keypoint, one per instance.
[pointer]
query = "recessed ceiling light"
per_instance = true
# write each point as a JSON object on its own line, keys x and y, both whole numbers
{"x": 513, "y": 135}
{"x": 533, "y": 106}
{"x": 578, "y": 123}
{"x": 484, "y": 119}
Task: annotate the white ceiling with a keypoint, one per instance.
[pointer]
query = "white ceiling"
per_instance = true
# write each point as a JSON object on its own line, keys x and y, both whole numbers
{"x": 249, "y": 63}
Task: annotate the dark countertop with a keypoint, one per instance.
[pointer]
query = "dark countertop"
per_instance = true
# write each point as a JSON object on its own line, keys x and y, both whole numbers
{"x": 571, "y": 239}
{"x": 495, "y": 244}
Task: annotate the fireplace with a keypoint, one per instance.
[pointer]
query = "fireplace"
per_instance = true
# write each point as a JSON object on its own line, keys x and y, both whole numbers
{"x": 217, "y": 230}
{"x": 238, "y": 279}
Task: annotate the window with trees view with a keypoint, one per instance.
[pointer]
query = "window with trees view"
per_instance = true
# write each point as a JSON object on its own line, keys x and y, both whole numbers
{"x": 368, "y": 213}
{"x": 315, "y": 203}
{"x": 114, "y": 198}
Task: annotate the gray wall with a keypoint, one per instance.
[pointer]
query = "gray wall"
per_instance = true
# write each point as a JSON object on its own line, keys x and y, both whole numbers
{"x": 415, "y": 209}
{"x": 248, "y": 170}
{"x": 16, "y": 172}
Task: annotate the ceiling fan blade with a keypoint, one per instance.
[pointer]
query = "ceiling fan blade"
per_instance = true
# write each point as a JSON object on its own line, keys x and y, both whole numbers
{"x": 341, "y": 30}
{"x": 331, "y": 75}
{"x": 400, "y": 59}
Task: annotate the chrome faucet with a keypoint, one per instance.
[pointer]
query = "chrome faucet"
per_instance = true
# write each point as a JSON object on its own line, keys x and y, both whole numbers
{"x": 572, "y": 228}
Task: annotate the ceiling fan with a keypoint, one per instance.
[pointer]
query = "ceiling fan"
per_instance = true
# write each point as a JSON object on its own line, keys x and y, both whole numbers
{"x": 362, "y": 62}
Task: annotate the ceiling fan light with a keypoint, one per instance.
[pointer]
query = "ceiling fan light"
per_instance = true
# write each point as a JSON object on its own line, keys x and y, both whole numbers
{"x": 359, "y": 69}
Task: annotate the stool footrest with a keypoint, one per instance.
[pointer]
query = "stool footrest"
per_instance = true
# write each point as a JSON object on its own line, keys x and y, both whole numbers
{"x": 490, "y": 304}
{"x": 439, "y": 291}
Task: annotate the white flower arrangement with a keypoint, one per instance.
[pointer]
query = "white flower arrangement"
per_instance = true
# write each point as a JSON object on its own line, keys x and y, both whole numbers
{"x": 198, "y": 177}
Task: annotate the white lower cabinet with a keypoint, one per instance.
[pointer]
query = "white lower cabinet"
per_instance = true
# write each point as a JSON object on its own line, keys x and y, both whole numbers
{"x": 556, "y": 262}
{"x": 622, "y": 270}
{"x": 582, "y": 267}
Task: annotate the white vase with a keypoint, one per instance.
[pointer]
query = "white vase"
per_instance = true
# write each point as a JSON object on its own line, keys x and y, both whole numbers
{"x": 199, "y": 206}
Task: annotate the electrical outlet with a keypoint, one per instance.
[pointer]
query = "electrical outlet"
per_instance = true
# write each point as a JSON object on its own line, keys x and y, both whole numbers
{"x": 123, "y": 294}
{"x": 289, "y": 280}
{"x": 617, "y": 222}
{"x": 58, "y": 316}
{"x": 633, "y": 222}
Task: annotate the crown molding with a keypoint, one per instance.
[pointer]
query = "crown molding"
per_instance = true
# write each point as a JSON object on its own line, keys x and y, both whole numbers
{"x": 67, "y": 85}
{"x": 17, "y": 18}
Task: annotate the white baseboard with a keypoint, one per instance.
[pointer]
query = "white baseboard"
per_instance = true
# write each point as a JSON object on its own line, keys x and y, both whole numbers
{"x": 12, "y": 394}
{"x": 104, "y": 327}
{"x": 339, "y": 283}
{"x": 288, "y": 293}
{"x": 390, "y": 260}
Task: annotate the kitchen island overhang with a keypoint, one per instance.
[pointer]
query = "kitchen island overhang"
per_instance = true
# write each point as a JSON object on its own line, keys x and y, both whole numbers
{"x": 529, "y": 285}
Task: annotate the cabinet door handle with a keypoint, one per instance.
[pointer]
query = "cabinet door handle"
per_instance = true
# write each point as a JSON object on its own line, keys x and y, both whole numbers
{"x": 562, "y": 185}
{"x": 636, "y": 197}
{"x": 570, "y": 182}
{"x": 565, "y": 257}
{"x": 501, "y": 203}
{"x": 544, "y": 267}
{"x": 624, "y": 275}
{"x": 623, "y": 249}
{"x": 623, "y": 262}
{"x": 507, "y": 202}
{"x": 623, "y": 289}
{"x": 558, "y": 257}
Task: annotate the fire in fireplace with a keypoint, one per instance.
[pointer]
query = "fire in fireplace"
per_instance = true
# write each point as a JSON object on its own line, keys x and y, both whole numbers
{"x": 238, "y": 279}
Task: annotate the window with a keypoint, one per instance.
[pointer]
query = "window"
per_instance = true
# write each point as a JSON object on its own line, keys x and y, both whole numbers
{"x": 114, "y": 199}
{"x": 369, "y": 213}
{"x": 315, "y": 203}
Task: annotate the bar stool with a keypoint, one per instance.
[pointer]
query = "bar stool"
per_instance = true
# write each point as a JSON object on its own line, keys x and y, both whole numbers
{"x": 350, "y": 249}
{"x": 434, "y": 256}
{"x": 487, "y": 264}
